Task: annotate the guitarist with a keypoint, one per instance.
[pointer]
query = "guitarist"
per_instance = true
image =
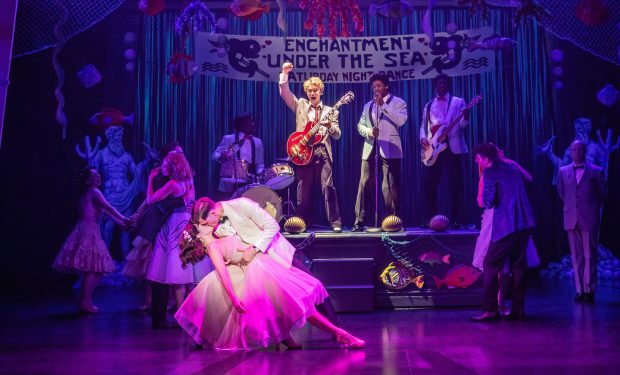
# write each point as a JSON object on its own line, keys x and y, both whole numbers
{"x": 442, "y": 110}
{"x": 320, "y": 168}
{"x": 392, "y": 115}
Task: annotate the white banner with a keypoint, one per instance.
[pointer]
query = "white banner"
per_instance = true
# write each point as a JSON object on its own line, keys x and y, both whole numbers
{"x": 402, "y": 57}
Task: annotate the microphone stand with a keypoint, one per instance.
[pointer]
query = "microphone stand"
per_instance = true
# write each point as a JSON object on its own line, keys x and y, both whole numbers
{"x": 376, "y": 228}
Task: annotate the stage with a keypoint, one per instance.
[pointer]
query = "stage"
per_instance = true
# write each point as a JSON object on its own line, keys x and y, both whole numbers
{"x": 350, "y": 265}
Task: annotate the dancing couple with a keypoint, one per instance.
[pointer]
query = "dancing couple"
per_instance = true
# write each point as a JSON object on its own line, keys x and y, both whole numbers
{"x": 255, "y": 297}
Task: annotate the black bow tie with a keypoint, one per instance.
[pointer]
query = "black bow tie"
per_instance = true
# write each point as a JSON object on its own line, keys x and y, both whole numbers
{"x": 575, "y": 167}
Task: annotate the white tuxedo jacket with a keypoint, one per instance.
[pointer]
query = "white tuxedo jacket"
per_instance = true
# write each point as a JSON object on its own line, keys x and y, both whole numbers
{"x": 456, "y": 139}
{"x": 256, "y": 227}
{"x": 392, "y": 116}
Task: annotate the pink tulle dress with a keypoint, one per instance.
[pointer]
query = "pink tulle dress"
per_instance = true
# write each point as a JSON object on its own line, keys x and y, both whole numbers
{"x": 84, "y": 249}
{"x": 277, "y": 299}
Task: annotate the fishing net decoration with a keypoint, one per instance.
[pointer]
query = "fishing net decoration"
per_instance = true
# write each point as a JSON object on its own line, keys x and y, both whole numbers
{"x": 34, "y": 28}
{"x": 593, "y": 25}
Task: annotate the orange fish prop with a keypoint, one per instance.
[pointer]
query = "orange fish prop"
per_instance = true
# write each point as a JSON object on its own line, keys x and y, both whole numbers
{"x": 460, "y": 276}
{"x": 433, "y": 258}
{"x": 251, "y": 10}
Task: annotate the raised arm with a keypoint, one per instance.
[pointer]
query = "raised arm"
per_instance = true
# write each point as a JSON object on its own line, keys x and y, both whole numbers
{"x": 285, "y": 92}
{"x": 217, "y": 259}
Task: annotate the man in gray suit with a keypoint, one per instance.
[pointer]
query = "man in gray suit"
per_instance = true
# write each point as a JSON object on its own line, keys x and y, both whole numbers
{"x": 513, "y": 221}
{"x": 379, "y": 124}
{"x": 319, "y": 171}
{"x": 581, "y": 186}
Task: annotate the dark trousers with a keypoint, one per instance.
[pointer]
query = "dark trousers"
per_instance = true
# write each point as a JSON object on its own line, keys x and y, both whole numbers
{"x": 366, "y": 190}
{"x": 452, "y": 163}
{"x": 319, "y": 171}
{"x": 511, "y": 248}
{"x": 159, "y": 304}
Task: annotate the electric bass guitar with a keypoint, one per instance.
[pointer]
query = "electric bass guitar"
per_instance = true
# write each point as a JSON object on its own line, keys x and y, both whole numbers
{"x": 439, "y": 133}
{"x": 300, "y": 145}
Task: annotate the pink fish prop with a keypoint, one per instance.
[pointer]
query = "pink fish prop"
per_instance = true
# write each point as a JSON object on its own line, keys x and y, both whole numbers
{"x": 433, "y": 258}
{"x": 495, "y": 43}
{"x": 251, "y": 10}
{"x": 391, "y": 9}
{"x": 110, "y": 117}
{"x": 460, "y": 276}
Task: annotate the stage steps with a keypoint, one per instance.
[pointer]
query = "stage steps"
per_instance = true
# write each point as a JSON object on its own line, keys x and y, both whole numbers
{"x": 348, "y": 281}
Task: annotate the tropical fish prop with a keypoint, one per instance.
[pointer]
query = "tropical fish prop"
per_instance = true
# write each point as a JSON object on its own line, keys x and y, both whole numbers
{"x": 460, "y": 276}
{"x": 433, "y": 257}
{"x": 110, "y": 117}
{"x": 491, "y": 43}
{"x": 151, "y": 7}
{"x": 181, "y": 67}
{"x": 396, "y": 276}
{"x": 391, "y": 9}
{"x": 89, "y": 76}
{"x": 250, "y": 10}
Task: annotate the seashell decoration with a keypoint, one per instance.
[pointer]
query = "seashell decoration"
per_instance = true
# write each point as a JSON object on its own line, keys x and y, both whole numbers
{"x": 439, "y": 223}
{"x": 295, "y": 225}
{"x": 392, "y": 223}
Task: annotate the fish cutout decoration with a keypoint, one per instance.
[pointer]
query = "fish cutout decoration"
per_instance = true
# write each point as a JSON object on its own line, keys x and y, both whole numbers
{"x": 460, "y": 276}
{"x": 433, "y": 258}
{"x": 491, "y": 43}
{"x": 250, "y": 10}
{"x": 110, "y": 117}
{"x": 391, "y": 9}
{"x": 181, "y": 67}
{"x": 281, "y": 22}
{"x": 396, "y": 276}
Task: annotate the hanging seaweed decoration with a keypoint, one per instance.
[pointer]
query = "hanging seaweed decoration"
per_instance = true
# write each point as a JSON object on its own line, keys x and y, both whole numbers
{"x": 332, "y": 9}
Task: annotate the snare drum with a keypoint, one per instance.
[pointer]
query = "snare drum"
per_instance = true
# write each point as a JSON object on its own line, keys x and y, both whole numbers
{"x": 277, "y": 176}
{"x": 264, "y": 196}
{"x": 232, "y": 168}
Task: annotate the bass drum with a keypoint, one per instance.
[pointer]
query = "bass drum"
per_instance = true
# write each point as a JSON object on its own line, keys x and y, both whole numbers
{"x": 264, "y": 196}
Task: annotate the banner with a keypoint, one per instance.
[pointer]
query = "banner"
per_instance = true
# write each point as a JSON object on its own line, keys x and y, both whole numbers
{"x": 345, "y": 60}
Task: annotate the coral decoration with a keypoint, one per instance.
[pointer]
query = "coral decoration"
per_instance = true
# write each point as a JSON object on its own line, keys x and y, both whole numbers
{"x": 592, "y": 12}
{"x": 196, "y": 17}
{"x": 333, "y": 9}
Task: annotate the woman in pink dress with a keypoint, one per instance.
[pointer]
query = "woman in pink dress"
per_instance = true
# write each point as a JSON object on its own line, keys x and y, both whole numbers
{"x": 84, "y": 250}
{"x": 247, "y": 305}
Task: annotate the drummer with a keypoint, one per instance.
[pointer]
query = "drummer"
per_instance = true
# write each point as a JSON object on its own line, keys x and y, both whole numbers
{"x": 242, "y": 145}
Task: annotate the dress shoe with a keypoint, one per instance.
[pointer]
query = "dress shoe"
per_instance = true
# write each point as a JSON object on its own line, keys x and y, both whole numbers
{"x": 358, "y": 228}
{"x": 337, "y": 229}
{"x": 504, "y": 310}
{"x": 579, "y": 297}
{"x": 588, "y": 297}
{"x": 515, "y": 316}
{"x": 486, "y": 316}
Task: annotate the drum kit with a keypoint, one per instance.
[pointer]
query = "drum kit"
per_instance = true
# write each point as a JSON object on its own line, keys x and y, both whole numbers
{"x": 262, "y": 189}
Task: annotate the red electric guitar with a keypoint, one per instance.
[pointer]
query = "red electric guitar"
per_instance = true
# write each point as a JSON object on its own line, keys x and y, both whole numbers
{"x": 300, "y": 145}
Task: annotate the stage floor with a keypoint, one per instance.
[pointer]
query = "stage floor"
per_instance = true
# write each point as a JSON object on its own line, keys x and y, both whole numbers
{"x": 47, "y": 336}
